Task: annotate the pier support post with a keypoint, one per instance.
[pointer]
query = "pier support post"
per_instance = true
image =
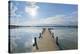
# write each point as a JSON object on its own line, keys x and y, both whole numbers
{"x": 35, "y": 43}
{"x": 43, "y": 30}
{"x": 49, "y": 30}
{"x": 57, "y": 41}
{"x": 40, "y": 36}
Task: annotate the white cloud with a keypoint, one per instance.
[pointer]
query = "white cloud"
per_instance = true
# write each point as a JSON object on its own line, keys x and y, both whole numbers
{"x": 14, "y": 17}
{"x": 70, "y": 19}
{"x": 12, "y": 10}
{"x": 58, "y": 19}
{"x": 55, "y": 20}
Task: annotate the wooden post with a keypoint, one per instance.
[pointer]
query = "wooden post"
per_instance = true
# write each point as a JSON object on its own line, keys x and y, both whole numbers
{"x": 57, "y": 41}
{"x": 40, "y": 36}
{"x": 49, "y": 30}
{"x": 43, "y": 30}
{"x": 35, "y": 44}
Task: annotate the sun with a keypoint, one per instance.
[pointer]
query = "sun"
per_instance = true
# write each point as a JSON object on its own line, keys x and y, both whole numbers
{"x": 31, "y": 11}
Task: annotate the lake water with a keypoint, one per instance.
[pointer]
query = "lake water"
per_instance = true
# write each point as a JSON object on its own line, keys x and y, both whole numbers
{"x": 22, "y": 37}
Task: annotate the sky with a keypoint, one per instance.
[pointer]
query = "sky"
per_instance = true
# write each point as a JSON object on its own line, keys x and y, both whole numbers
{"x": 35, "y": 13}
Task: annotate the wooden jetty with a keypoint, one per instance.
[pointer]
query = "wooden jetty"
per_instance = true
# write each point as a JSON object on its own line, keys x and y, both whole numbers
{"x": 46, "y": 42}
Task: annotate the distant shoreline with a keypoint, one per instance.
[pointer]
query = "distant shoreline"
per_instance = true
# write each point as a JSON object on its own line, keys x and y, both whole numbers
{"x": 17, "y": 26}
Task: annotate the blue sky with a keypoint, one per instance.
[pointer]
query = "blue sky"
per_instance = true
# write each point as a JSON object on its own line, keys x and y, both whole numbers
{"x": 47, "y": 14}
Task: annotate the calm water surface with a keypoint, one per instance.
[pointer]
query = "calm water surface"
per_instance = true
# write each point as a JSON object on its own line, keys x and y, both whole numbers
{"x": 22, "y": 38}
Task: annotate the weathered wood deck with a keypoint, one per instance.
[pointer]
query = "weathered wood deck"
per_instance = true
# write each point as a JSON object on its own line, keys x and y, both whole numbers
{"x": 46, "y": 43}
